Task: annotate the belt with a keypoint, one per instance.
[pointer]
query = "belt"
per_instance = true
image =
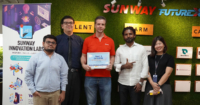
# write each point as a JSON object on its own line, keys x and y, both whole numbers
{"x": 73, "y": 70}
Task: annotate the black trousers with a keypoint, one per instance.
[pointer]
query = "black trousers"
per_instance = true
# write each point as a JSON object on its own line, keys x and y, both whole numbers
{"x": 73, "y": 89}
{"x": 128, "y": 91}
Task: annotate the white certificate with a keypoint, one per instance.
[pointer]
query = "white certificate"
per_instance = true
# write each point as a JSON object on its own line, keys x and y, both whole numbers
{"x": 182, "y": 85}
{"x": 183, "y": 69}
{"x": 198, "y": 52}
{"x": 148, "y": 50}
{"x": 98, "y": 60}
{"x": 197, "y": 69}
{"x": 197, "y": 86}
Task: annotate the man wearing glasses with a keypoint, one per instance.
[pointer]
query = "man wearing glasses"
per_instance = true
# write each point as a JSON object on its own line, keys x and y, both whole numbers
{"x": 46, "y": 74}
{"x": 69, "y": 46}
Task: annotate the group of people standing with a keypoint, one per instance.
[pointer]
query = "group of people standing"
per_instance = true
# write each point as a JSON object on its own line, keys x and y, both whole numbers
{"x": 54, "y": 75}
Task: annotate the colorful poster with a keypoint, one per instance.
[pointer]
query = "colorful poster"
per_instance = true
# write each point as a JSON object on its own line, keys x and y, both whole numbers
{"x": 24, "y": 26}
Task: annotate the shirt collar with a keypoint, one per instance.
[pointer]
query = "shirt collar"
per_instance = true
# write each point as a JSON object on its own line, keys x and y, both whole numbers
{"x": 94, "y": 36}
{"x": 134, "y": 44}
{"x": 66, "y": 36}
{"x": 47, "y": 55}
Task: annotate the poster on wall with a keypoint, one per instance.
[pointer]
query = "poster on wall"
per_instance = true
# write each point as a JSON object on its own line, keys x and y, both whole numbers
{"x": 23, "y": 26}
{"x": 195, "y": 31}
{"x": 183, "y": 69}
{"x": 141, "y": 29}
{"x": 184, "y": 52}
{"x": 198, "y": 53}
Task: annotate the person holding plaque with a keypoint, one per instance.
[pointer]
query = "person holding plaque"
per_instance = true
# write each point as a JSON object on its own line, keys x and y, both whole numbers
{"x": 132, "y": 64}
{"x": 158, "y": 89}
{"x": 97, "y": 59}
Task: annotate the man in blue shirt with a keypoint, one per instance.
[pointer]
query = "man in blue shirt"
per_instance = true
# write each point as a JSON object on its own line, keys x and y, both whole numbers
{"x": 69, "y": 46}
{"x": 46, "y": 74}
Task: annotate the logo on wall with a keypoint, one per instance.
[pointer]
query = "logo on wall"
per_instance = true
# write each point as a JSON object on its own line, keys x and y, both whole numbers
{"x": 180, "y": 12}
{"x": 15, "y": 98}
{"x": 25, "y": 32}
{"x": 133, "y": 9}
{"x": 16, "y": 85}
{"x": 185, "y": 51}
{"x": 16, "y": 68}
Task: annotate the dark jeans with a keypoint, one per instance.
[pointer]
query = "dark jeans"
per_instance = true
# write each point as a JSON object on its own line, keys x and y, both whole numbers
{"x": 72, "y": 94}
{"x": 125, "y": 92}
{"x": 93, "y": 85}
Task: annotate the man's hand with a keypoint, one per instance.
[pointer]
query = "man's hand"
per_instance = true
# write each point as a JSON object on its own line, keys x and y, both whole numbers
{"x": 138, "y": 87}
{"x": 109, "y": 67}
{"x": 61, "y": 97}
{"x": 128, "y": 65}
{"x": 86, "y": 67}
{"x": 36, "y": 94}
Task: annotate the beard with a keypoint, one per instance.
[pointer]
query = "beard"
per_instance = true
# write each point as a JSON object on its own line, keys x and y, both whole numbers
{"x": 129, "y": 40}
{"x": 49, "y": 50}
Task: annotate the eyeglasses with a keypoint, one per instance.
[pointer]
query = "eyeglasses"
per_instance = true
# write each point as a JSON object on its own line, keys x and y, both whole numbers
{"x": 48, "y": 42}
{"x": 70, "y": 23}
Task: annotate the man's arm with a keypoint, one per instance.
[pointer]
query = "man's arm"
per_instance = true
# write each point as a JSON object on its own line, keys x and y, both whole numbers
{"x": 63, "y": 79}
{"x": 29, "y": 74}
{"x": 144, "y": 71}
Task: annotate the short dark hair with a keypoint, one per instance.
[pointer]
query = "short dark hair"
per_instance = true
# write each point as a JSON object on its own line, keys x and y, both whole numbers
{"x": 99, "y": 17}
{"x": 153, "y": 51}
{"x": 128, "y": 28}
{"x": 66, "y": 17}
{"x": 49, "y": 36}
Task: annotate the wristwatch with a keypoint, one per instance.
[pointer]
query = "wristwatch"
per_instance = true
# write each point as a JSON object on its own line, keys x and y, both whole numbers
{"x": 140, "y": 83}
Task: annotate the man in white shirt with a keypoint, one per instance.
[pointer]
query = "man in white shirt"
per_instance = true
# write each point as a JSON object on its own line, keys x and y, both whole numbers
{"x": 132, "y": 64}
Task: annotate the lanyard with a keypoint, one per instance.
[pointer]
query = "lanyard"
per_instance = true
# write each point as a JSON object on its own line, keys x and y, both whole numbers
{"x": 156, "y": 63}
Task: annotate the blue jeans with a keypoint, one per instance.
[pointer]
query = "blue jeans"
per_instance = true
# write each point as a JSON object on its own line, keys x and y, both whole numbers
{"x": 92, "y": 84}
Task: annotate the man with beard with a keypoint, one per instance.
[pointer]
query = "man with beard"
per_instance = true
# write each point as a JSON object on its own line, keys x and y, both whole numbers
{"x": 132, "y": 65}
{"x": 46, "y": 74}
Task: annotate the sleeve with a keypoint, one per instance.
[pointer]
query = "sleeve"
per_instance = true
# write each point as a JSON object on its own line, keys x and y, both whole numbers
{"x": 63, "y": 74}
{"x": 29, "y": 74}
{"x": 85, "y": 47}
{"x": 112, "y": 52}
{"x": 170, "y": 62}
{"x": 117, "y": 63}
{"x": 144, "y": 73}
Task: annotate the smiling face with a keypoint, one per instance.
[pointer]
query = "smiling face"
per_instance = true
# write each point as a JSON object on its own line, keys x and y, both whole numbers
{"x": 159, "y": 47}
{"x": 100, "y": 25}
{"x": 67, "y": 25}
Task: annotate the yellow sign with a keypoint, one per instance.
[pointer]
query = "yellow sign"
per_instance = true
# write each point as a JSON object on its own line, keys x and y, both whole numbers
{"x": 83, "y": 27}
{"x": 141, "y": 29}
{"x": 195, "y": 31}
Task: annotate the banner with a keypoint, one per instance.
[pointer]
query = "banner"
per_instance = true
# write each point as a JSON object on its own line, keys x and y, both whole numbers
{"x": 24, "y": 26}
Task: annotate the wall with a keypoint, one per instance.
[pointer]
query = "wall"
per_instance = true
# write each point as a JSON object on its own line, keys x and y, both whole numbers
{"x": 175, "y": 29}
